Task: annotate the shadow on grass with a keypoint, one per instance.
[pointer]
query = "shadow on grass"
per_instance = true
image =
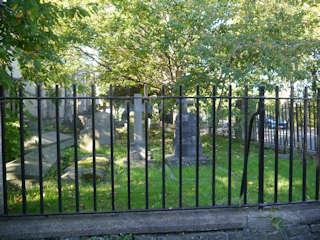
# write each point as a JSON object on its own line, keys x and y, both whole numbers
{"x": 138, "y": 186}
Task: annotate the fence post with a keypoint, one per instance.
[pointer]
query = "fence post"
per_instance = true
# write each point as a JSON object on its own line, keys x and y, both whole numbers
{"x": 246, "y": 113}
{"x": 304, "y": 153}
{"x": 146, "y": 102}
{"x": 276, "y": 147}
{"x": 318, "y": 144}
{"x": 1, "y": 176}
{"x": 291, "y": 143}
{"x": 261, "y": 143}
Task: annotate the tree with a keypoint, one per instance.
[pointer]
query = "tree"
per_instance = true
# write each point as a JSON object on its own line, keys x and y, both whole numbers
{"x": 28, "y": 34}
{"x": 204, "y": 42}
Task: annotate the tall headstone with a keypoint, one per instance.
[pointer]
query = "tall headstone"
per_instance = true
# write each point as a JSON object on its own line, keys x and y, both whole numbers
{"x": 138, "y": 149}
{"x": 189, "y": 139}
{"x": 138, "y": 108}
{"x": 67, "y": 121}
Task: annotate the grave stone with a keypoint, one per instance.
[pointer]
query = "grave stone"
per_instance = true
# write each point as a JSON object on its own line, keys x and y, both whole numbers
{"x": 85, "y": 171}
{"x": 189, "y": 139}
{"x": 138, "y": 149}
{"x": 123, "y": 120}
{"x": 49, "y": 157}
{"x": 102, "y": 131}
{"x": 138, "y": 110}
{"x": 51, "y": 109}
{"x": 67, "y": 121}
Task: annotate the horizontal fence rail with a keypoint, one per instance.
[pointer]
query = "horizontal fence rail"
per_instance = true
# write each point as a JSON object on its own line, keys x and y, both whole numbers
{"x": 144, "y": 166}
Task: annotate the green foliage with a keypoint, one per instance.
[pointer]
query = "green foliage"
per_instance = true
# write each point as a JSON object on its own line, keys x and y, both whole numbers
{"x": 163, "y": 42}
{"x": 12, "y": 136}
{"x": 28, "y": 34}
{"x": 203, "y": 42}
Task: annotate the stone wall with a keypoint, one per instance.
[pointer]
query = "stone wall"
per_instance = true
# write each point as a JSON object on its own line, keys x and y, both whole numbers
{"x": 291, "y": 222}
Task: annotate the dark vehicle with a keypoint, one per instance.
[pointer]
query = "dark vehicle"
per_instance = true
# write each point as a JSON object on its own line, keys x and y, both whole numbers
{"x": 271, "y": 122}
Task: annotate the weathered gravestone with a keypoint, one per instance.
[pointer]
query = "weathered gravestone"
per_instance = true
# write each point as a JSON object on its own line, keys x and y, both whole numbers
{"x": 138, "y": 147}
{"x": 102, "y": 132}
{"x": 31, "y": 158}
{"x": 67, "y": 121}
{"x": 85, "y": 170}
{"x": 189, "y": 139}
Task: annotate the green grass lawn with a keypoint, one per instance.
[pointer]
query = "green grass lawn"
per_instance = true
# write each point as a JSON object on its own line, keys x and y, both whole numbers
{"x": 172, "y": 180}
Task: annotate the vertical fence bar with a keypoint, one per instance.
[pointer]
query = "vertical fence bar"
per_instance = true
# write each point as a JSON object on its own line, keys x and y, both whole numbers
{"x": 318, "y": 144}
{"x": 280, "y": 130}
{"x": 128, "y": 148}
{"x": 284, "y": 143}
{"x": 261, "y": 148}
{"x": 111, "y": 147}
{"x": 146, "y": 142}
{"x": 286, "y": 120}
{"x": 314, "y": 126}
{"x": 270, "y": 127}
{"x": 246, "y": 113}
{"x": 267, "y": 126}
{"x": 297, "y": 121}
{"x": 21, "y": 122}
{"x": 294, "y": 133}
{"x": 214, "y": 146}
{"x": 58, "y": 148}
{"x": 197, "y": 146}
{"x": 301, "y": 129}
{"x": 163, "y": 148}
{"x": 266, "y": 134}
{"x": 273, "y": 127}
{"x": 276, "y": 147}
{"x": 284, "y": 129}
{"x": 180, "y": 146}
{"x": 75, "y": 137}
{"x": 40, "y": 146}
{"x": 3, "y": 147}
{"x": 291, "y": 143}
{"x": 93, "y": 110}
{"x": 310, "y": 135}
{"x": 304, "y": 181}
{"x": 229, "y": 144}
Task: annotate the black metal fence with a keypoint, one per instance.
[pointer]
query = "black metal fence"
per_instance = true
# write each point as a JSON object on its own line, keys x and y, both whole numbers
{"x": 293, "y": 126}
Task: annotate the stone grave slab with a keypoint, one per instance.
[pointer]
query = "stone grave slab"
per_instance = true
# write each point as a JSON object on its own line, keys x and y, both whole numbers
{"x": 49, "y": 157}
{"x": 102, "y": 132}
{"x": 85, "y": 169}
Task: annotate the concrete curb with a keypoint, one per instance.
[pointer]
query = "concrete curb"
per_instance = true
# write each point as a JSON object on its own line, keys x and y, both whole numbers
{"x": 234, "y": 219}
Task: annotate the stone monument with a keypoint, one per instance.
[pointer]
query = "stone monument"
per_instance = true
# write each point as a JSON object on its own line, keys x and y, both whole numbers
{"x": 138, "y": 148}
{"x": 189, "y": 139}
